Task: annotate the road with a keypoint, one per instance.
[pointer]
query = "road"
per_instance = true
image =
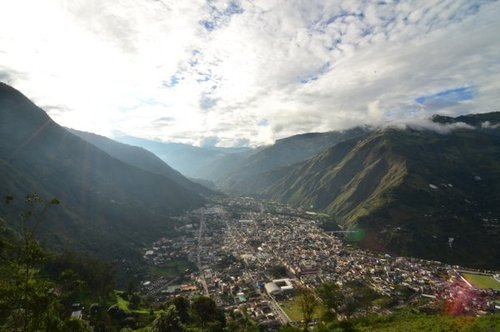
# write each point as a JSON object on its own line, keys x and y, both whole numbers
{"x": 198, "y": 255}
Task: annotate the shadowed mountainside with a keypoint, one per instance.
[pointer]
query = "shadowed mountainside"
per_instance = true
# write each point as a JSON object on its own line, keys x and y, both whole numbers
{"x": 141, "y": 158}
{"x": 107, "y": 206}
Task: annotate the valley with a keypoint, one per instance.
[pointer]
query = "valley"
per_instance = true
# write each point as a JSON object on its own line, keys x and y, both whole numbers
{"x": 410, "y": 190}
{"x": 250, "y": 166}
{"x": 318, "y": 228}
{"x": 243, "y": 248}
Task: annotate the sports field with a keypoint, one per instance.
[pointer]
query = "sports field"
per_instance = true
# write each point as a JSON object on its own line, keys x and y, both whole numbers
{"x": 294, "y": 312}
{"x": 481, "y": 281}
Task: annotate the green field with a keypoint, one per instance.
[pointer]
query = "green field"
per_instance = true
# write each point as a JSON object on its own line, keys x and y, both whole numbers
{"x": 482, "y": 281}
{"x": 123, "y": 304}
{"x": 292, "y": 309}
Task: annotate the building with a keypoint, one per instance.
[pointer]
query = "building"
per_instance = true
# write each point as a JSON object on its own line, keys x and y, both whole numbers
{"x": 279, "y": 286}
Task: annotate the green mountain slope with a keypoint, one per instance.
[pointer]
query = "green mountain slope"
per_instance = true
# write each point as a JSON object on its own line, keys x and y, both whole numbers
{"x": 233, "y": 173}
{"x": 417, "y": 193}
{"x": 107, "y": 205}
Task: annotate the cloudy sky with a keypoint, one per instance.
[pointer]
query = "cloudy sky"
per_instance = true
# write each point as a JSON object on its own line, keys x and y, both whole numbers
{"x": 247, "y": 72}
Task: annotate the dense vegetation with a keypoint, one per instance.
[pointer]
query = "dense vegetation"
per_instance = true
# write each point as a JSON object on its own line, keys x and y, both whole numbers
{"x": 38, "y": 287}
{"x": 408, "y": 321}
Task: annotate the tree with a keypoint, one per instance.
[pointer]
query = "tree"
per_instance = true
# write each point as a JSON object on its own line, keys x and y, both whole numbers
{"x": 279, "y": 271}
{"x": 332, "y": 297}
{"x": 182, "y": 306}
{"x": 25, "y": 296}
{"x": 135, "y": 301}
{"x": 206, "y": 311}
{"x": 76, "y": 325}
{"x": 308, "y": 302}
{"x": 168, "y": 321}
{"x": 37, "y": 286}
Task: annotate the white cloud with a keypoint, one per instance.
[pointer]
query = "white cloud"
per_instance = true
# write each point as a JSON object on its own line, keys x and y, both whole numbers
{"x": 489, "y": 125}
{"x": 428, "y": 124}
{"x": 215, "y": 68}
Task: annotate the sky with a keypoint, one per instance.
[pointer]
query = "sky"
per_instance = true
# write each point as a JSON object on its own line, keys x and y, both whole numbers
{"x": 248, "y": 72}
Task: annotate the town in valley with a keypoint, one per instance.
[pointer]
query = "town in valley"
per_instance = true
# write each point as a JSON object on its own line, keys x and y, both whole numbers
{"x": 255, "y": 257}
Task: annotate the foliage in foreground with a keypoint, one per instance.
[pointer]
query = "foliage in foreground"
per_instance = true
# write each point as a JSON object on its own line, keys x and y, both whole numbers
{"x": 37, "y": 287}
{"x": 409, "y": 322}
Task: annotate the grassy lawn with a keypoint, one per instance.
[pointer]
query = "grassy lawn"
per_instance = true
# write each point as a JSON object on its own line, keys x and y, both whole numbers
{"x": 482, "y": 281}
{"x": 173, "y": 268}
{"x": 293, "y": 310}
{"x": 124, "y": 304}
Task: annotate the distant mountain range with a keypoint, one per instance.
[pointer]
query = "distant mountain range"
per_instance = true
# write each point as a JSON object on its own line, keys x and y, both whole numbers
{"x": 113, "y": 197}
{"x": 187, "y": 159}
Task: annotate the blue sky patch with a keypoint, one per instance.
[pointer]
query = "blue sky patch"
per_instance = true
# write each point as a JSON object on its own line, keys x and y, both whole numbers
{"x": 219, "y": 16}
{"x": 313, "y": 77}
{"x": 174, "y": 80}
{"x": 263, "y": 123}
{"x": 208, "y": 25}
{"x": 207, "y": 103}
{"x": 203, "y": 77}
{"x": 449, "y": 96}
{"x": 233, "y": 8}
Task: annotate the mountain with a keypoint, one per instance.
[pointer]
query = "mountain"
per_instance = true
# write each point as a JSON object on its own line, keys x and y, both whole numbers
{"x": 233, "y": 172}
{"x": 140, "y": 158}
{"x": 416, "y": 193}
{"x": 483, "y": 120}
{"x": 107, "y": 206}
{"x": 187, "y": 159}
